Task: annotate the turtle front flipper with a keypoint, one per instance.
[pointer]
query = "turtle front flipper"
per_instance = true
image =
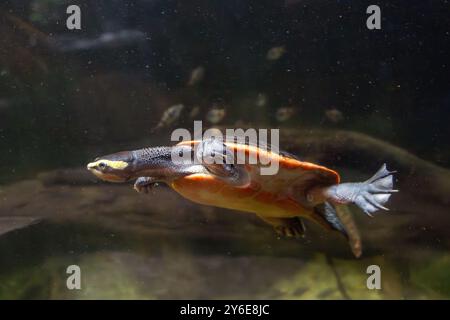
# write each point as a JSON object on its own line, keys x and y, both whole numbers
{"x": 146, "y": 184}
{"x": 220, "y": 161}
{"x": 288, "y": 227}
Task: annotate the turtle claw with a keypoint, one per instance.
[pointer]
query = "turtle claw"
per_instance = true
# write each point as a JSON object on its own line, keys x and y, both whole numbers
{"x": 369, "y": 203}
{"x": 381, "y": 173}
{"x": 147, "y": 188}
{"x": 145, "y": 185}
{"x": 291, "y": 230}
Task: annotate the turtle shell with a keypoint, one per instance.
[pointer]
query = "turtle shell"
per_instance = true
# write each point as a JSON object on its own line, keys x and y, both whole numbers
{"x": 282, "y": 194}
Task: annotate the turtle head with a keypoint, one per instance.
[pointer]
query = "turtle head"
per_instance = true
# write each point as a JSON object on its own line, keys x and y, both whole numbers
{"x": 148, "y": 162}
{"x": 116, "y": 167}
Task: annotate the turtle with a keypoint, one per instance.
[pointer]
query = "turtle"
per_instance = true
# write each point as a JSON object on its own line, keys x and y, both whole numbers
{"x": 207, "y": 171}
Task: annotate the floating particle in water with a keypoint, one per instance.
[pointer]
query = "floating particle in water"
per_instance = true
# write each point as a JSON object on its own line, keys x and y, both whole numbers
{"x": 196, "y": 76}
{"x": 240, "y": 124}
{"x": 5, "y": 103}
{"x": 288, "y": 3}
{"x": 284, "y": 113}
{"x": 216, "y": 114}
{"x": 261, "y": 100}
{"x": 170, "y": 116}
{"x": 194, "y": 112}
{"x": 334, "y": 115}
{"x": 275, "y": 53}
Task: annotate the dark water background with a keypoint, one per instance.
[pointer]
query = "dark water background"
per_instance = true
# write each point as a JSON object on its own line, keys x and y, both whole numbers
{"x": 67, "y": 97}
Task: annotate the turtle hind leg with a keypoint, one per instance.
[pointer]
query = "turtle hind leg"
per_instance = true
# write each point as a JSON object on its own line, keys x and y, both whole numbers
{"x": 288, "y": 227}
{"x": 369, "y": 195}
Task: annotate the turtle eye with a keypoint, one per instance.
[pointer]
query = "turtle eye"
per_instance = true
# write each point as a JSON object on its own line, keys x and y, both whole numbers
{"x": 102, "y": 165}
{"x": 180, "y": 153}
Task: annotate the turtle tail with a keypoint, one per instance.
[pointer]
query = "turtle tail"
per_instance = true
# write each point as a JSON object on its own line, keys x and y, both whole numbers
{"x": 340, "y": 219}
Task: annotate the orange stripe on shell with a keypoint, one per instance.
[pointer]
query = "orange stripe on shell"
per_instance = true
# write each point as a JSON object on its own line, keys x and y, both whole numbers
{"x": 285, "y": 162}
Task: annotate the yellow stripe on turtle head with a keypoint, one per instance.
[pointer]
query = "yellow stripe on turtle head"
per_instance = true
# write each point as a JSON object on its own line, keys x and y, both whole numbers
{"x": 115, "y": 164}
